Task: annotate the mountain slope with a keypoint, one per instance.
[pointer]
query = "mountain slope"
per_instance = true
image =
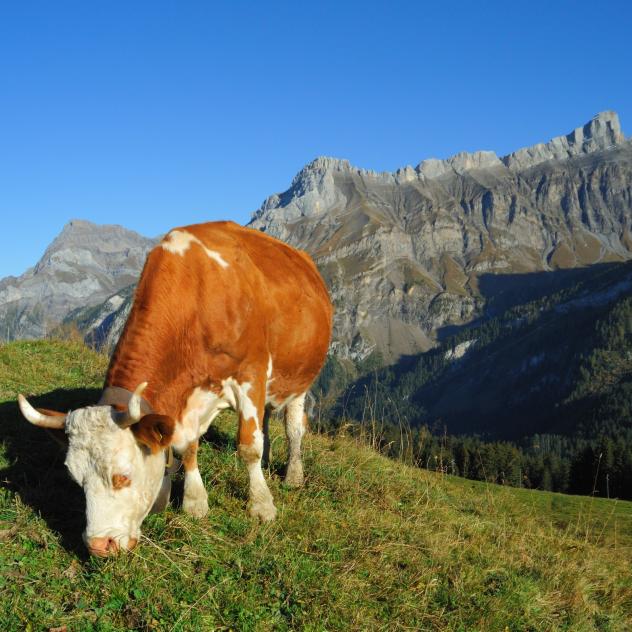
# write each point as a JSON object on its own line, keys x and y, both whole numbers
{"x": 403, "y": 252}
{"x": 83, "y": 266}
{"x": 369, "y": 543}
{"x": 545, "y": 366}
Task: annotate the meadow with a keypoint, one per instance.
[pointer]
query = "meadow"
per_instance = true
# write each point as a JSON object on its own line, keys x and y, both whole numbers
{"x": 368, "y": 544}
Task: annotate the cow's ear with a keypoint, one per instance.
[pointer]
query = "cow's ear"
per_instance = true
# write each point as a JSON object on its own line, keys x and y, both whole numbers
{"x": 154, "y": 431}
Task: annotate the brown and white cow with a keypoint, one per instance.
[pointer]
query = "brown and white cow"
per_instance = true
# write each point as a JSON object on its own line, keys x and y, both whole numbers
{"x": 223, "y": 316}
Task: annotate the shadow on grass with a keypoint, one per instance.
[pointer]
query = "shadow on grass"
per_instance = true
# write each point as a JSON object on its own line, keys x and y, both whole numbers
{"x": 36, "y": 469}
{"x": 218, "y": 439}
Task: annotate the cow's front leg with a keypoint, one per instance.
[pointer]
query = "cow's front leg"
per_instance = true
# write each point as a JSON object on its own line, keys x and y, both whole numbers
{"x": 250, "y": 449}
{"x": 195, "y": 501}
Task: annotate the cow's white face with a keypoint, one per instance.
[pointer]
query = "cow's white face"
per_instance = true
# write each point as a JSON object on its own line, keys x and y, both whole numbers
{"x": 120, "y": 478}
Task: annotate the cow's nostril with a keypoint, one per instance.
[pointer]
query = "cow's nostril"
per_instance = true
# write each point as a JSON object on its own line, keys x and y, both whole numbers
{"x": 112, "y": 546}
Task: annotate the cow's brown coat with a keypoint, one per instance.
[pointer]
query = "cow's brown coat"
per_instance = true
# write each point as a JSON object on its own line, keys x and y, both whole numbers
{"x": 195, "y": 323}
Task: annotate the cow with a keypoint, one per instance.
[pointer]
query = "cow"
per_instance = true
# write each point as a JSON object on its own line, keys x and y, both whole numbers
{"x": 223, "y": 317}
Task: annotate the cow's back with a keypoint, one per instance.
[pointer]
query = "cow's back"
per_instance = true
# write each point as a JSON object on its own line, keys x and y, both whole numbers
{"x": 287, "y": 300}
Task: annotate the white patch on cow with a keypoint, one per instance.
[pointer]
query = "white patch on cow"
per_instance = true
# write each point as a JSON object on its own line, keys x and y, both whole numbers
{"x": 179, "y": 241}
{"x": 237, "y": 395}
{"x": 246, "y": 405}
{"x": 97, "y": 449}
{"x": 269, "y": 380}
{"x": 261, "y": 504}
{"x": 195, "y": 501}
{"x": 229, "y": 392}
{"x": 199, "y": 412}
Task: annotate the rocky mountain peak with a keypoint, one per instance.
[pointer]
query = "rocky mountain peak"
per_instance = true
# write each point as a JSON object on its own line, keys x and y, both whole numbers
{"x": 319, "y": 167}
{"x": 408, "y": 253}
{"x": 78, "y": 225}
{"x": 85, "y": 264}
{"x": 459, "y": 163}
{"x": 83, "y": 242}
{"x": 313, "y": 191}
{"x": 78, "y": 230}
{"x": 603, "y": 131}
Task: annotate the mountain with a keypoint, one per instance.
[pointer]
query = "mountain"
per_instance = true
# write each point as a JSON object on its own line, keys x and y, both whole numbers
{"x": 559, "y": 364}
{"x": 408, "y": 255}
{"x": 481, "y": 297}
{"x": 84, "y": 265}
{"x": 538, "y": 395}
{"x": 403, "y": 253}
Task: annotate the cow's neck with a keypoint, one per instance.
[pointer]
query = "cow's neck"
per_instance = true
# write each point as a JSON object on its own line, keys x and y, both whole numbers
{"x": 165, "y": 394}
{"x": 164, "y": 345}
{"x": 170, "y": 374}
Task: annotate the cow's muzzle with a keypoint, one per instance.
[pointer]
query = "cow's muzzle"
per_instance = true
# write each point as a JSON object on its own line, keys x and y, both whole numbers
{"x": 106, "y": 546}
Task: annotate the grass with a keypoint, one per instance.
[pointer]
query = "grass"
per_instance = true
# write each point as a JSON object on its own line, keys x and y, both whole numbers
{"x": 368, "y": 543}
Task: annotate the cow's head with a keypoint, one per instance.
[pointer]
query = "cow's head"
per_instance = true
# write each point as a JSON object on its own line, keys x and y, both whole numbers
{"x": 118, "y": 458}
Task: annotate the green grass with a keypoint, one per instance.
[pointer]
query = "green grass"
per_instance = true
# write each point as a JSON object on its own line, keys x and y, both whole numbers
{"x": 368, "y": 543}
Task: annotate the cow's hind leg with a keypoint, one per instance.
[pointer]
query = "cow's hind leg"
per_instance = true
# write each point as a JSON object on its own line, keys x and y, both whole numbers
{"x": 265, "y": 460}
{"x": 250, "y": 446}
{"x": 195, "y": 501}
{"x": 295, "y": 426}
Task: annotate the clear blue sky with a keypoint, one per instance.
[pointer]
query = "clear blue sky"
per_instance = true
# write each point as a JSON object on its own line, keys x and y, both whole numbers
{"x": 154, "y": 114}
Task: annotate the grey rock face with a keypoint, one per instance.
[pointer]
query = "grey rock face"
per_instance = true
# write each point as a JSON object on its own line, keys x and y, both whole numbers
{"x": 102, "y": 324}
{"x": 404, "y": 253}
{"x": 83, "y": 266}
{"x": 602, "y": 132}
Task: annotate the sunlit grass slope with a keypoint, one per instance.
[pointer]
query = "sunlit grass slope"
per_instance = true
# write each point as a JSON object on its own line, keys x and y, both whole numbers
{"x": 368, "y": 543}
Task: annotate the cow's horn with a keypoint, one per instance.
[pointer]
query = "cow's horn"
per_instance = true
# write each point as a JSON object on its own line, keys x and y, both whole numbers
{"x": 133, "y": 414}
{"x": 55, "y": 422}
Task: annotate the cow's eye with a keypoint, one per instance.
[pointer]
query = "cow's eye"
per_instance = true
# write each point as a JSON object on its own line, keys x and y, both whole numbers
{"x": 120, "y": 480}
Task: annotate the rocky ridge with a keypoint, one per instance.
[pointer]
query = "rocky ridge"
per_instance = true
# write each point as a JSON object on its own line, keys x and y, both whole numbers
{"x": 410, "y": 252}
{"x": 83, "y": 266}
{"x": 406, "y": 254}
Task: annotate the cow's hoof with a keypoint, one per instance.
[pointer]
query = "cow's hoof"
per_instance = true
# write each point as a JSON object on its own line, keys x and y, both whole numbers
{"x": 266, "y": 512}
{"x": 195, "y": 504}
{"x": 294, "y": 475}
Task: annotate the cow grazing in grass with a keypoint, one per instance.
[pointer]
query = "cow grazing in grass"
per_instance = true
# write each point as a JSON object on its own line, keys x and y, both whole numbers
{"x": 223, "y": 317}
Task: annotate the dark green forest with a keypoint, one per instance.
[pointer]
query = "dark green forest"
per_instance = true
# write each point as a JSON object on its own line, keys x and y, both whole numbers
{"x": 536, "y": 394}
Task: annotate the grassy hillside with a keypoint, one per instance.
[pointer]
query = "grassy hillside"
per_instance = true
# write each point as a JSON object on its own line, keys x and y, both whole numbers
{"x": 368, "y": 543}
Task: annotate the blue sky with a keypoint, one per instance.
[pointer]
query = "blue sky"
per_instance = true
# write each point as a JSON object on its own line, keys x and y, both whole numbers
{"x": 156, "y": 114}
